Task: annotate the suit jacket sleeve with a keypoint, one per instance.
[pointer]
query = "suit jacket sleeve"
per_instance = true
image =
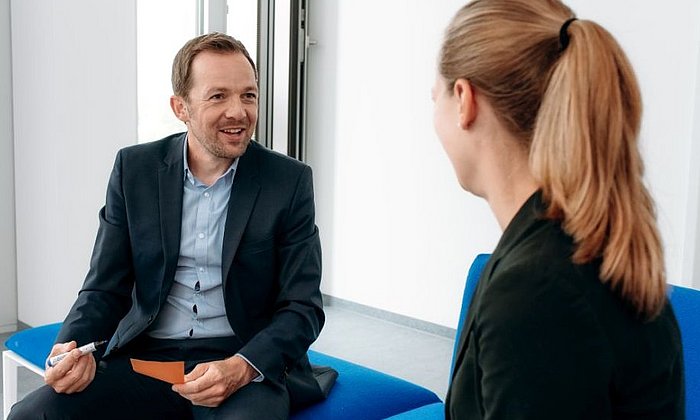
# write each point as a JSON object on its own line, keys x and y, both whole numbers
{"x": 297, "y": 316}
{"x": 106, "y": 292}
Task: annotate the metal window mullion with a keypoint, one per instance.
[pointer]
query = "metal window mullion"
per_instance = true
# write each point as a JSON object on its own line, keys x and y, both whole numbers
{"x": 265, "y": 60}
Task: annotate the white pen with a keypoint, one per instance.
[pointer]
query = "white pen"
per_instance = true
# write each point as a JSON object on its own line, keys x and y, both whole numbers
{"x": 88, "y": 348}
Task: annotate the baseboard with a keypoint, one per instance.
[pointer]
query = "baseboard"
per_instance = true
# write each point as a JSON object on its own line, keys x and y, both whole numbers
{"x": 8, "y": 328}
{"x": 406, "y": 321}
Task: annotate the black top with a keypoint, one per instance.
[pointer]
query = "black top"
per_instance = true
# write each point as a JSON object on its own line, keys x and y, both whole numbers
{"x": 546, "y": 339}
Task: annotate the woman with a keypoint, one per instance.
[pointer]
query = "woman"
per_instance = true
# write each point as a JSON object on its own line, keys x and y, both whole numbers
{"x": 539, "y": 114}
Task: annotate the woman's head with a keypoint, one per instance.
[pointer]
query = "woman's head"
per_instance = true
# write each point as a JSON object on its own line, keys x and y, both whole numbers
{"x": 507, "y": 50}
{"x": 566, "y": 93}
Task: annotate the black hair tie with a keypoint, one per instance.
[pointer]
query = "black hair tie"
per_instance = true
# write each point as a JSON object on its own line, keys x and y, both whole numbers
{"x": 564, "y": 35}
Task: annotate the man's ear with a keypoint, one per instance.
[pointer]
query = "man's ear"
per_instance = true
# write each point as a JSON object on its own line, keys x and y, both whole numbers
{"x": 465, "y": 94}
{"x": 179, "y": 107}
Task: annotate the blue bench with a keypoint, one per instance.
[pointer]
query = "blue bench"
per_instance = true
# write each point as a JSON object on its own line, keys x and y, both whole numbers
{"x": 359, "y": 392}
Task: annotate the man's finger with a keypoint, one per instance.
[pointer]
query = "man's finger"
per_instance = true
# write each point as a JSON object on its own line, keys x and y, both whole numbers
{"x": 89, "y": 367}
{"x": 197, "y": 372}
{"x": 195, "y": 381}
{"x": 61, "y": 369}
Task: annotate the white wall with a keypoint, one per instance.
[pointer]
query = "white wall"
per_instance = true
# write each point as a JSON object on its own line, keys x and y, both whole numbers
{"x": 8, "y": 282}
{"x": 398, "y": 233}
{"x": 74, "y": 66}
{"x": 321, "y": 123}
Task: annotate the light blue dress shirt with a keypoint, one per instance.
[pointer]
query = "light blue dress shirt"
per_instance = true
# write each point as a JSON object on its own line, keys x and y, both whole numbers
{"x": 195, "y": 306}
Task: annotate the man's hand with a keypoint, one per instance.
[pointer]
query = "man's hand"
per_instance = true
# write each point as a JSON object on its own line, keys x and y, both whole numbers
{"x": 72, "y": 374}
{"x": 209, "y": 384}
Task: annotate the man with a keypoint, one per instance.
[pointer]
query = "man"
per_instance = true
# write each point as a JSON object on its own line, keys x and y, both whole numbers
{"x": 207, "y": 252}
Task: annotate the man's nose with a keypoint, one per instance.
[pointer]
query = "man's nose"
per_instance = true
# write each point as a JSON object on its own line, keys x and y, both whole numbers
{"x": 235, "y": 109}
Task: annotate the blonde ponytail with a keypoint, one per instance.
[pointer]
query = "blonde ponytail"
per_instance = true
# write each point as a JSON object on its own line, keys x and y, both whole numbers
{"x": 585, "y": 154}
{"x": 578, "y": 109}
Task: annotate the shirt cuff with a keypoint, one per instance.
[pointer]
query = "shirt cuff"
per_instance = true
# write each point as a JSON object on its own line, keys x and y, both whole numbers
{"x": 260, "y": 376}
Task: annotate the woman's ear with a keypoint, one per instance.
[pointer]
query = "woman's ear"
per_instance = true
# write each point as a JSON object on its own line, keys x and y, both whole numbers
{"x": 465, "y": 94}
{"x": 179, "y": 108}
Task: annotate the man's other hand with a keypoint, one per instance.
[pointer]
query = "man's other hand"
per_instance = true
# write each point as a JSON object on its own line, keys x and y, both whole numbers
{"x": 72, "y": 374}
{"x": 209, "y": 384}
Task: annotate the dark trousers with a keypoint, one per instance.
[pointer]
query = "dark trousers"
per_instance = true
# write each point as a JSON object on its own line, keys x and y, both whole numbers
{"x": 117, "y": 392}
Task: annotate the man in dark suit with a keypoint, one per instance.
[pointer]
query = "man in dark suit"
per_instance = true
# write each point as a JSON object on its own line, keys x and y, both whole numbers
{"x": 207, "y": 251}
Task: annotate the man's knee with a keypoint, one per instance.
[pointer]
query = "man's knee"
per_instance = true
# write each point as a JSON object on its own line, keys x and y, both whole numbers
{"x": 22, "y": 411}
{"x": 42, "y": 404}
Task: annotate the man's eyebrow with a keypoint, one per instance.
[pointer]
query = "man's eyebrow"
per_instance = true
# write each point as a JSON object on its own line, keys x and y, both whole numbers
{"x": 215, "y": 89}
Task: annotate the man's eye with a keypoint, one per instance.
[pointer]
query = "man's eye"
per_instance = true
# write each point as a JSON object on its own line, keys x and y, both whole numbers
{"x": 217, "y": 96}
{"x": 250, "y": 96}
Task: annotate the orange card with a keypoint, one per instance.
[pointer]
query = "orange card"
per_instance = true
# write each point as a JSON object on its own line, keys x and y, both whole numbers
{"x": 172, "y": 372}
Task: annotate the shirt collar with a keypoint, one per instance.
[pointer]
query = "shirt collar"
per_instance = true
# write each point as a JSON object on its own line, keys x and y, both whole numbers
{"x": 187, "y": 174}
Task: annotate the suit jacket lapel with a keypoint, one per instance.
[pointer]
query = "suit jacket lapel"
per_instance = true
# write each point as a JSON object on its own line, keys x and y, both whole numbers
{"x": 244, "y": 192}
{"x": 170, "y": 184}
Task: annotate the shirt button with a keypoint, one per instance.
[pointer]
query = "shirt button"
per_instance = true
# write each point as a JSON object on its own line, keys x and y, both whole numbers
{"x": 201, "y": 236}
{"x": 206, "y": 194}
{"x": 201, "y": 269}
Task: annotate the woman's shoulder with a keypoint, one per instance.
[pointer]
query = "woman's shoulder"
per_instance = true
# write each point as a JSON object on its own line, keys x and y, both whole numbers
{"x": 537, "y": 281}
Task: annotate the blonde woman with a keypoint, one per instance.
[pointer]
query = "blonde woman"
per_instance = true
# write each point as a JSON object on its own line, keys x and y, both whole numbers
{"x": 539, "y": 114}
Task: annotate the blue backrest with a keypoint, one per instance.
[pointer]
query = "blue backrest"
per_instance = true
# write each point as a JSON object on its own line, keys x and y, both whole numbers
{"x": 34, "y": 344}
{"x": 472, "y": 280}
{"x": 686, "y": 305}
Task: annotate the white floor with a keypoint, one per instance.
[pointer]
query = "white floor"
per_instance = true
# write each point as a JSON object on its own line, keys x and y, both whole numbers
{"x": 414, "y": 355}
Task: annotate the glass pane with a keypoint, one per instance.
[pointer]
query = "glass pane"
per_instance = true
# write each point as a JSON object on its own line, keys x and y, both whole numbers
{"x": 242, "y": 24}
{"x": 163, "y": 26}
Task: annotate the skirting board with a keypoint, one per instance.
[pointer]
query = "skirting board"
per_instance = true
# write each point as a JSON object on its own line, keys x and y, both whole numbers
{"x": 8, "y": 328}
{"x": 403, "y": 320}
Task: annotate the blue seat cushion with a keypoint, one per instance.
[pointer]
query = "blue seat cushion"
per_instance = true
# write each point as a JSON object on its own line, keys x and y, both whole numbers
{"x": 686, "y": 306}
{"x": 435, "y": 411}
{"x": 363, "y": 393}
{"x": 34, "y": 344}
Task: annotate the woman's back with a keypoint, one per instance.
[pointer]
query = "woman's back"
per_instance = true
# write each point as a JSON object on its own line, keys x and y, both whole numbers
{"x": 547, "y": 339}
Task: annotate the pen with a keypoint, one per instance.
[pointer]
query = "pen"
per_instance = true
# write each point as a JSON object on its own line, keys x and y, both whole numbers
{"x": 88, "y": 348}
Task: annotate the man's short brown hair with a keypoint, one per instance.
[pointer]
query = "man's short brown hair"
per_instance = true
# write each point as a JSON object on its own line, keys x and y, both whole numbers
{"x": 215, "y": 42}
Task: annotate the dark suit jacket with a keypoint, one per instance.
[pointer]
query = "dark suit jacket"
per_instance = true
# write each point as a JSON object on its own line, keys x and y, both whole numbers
{"x": 271, "y": 256}
{"x": 546, "y": 339}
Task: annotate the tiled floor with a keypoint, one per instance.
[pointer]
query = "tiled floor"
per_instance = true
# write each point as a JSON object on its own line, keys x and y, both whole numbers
{"x": 414, "y": 355}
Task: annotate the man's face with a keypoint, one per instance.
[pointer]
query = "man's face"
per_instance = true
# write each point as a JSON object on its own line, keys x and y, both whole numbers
{"x": 221, "y": 109}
